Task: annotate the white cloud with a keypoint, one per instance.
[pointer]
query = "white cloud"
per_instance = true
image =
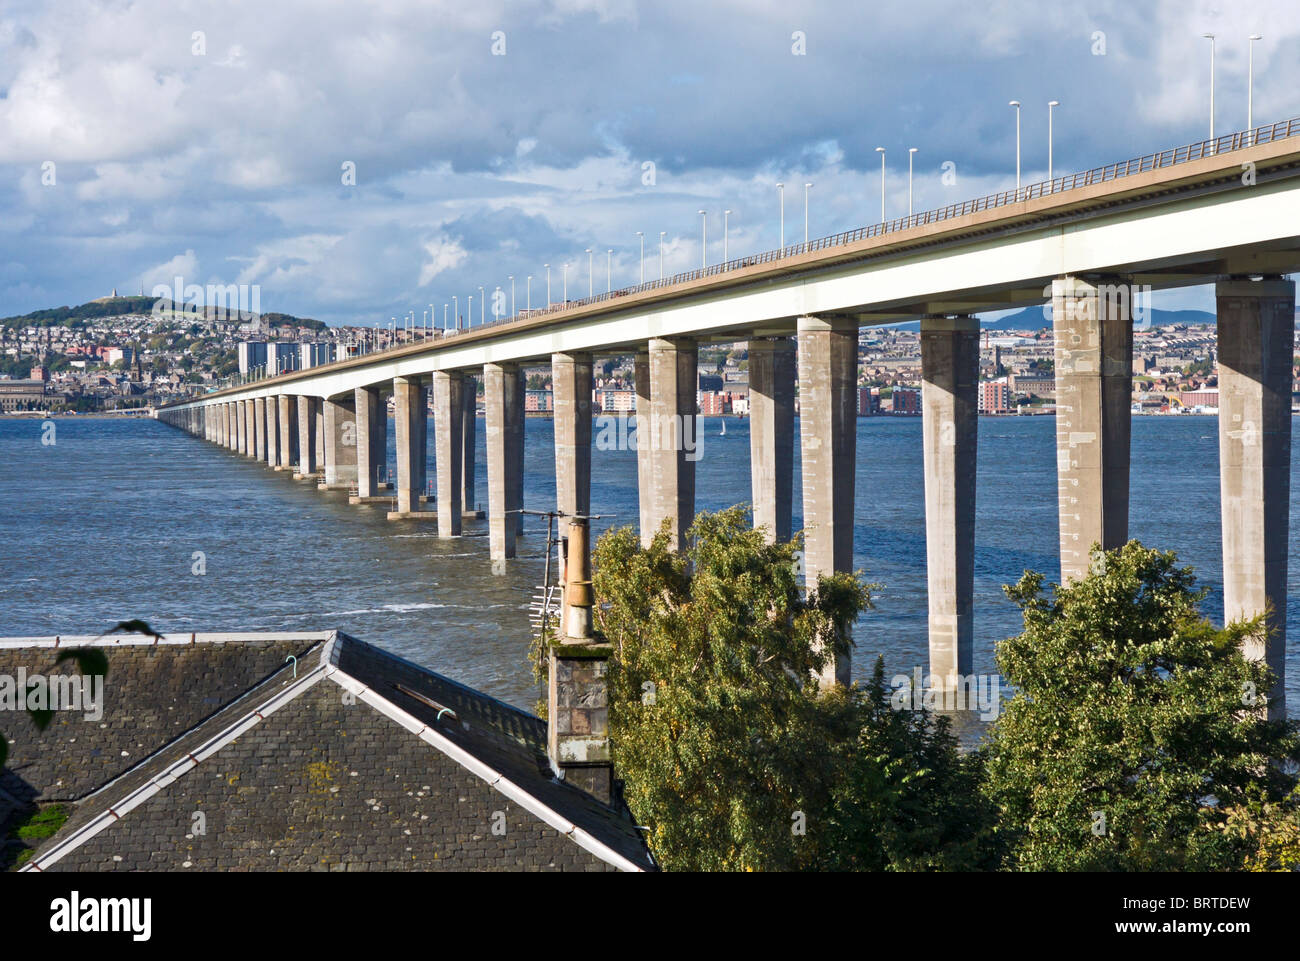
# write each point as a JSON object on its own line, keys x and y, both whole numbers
{"x": 444, "y": 255}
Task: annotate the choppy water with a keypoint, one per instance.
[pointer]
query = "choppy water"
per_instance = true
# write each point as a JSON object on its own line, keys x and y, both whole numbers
{"x": 103, "y": 526}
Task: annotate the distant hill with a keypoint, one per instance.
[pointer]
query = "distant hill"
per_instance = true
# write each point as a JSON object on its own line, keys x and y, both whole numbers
{"x": 118, "y": 306}
{"x": 1031, "y": 318}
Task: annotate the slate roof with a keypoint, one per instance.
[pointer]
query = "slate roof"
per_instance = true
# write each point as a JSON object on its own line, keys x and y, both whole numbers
{"x": 363, "y": 761}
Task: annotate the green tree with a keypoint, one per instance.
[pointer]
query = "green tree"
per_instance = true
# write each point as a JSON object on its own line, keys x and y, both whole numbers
{"x": 728, "y": 751}
{"x": 1134, "y": 726}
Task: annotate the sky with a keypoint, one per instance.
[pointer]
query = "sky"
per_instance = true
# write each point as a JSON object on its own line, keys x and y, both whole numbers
{"x": 359, "y": 160}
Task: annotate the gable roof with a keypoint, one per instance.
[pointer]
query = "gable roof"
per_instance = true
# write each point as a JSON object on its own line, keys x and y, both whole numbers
{"x": 350, "y": 758}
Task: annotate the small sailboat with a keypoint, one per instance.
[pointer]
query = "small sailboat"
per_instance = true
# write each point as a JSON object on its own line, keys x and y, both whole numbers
{"x": 724, "y": 428}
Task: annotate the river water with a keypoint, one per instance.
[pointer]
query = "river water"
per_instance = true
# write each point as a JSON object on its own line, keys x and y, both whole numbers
{"x": 104, "y": 525}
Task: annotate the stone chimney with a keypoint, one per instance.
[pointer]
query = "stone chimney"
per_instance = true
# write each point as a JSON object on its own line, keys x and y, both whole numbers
{"x": 577, "y": 703}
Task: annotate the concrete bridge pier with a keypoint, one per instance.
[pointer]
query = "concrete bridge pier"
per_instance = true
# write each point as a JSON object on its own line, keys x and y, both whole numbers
{"x": 950, "y": 429}
{"x": 771, "y": 434}
{"x": 241, "y": 409}
{"x": 571, "y": 380}
{"x": 644, "y": 448}
{"x": 257, "y": 415}
{"x": 411, "y": 425}
{"x": 1092, "y": 320}
{"x": 308, "y": 452}
{"x": 223, "y": 425}
{"x": 503, "y": 396}
{"x": 372, "y": 440}
{"x": 340, "y": 444}
{"x": 468, "y": 452}
{"x": 288, "y": 416}
{"x": 448, "y": 435}
{"x": 675, "y": 440}
{"x": 273, "y": 433}
{"x": 1256, "y": 332}
{"x": 318, "y": 417}
{"x": 828, "y": 412}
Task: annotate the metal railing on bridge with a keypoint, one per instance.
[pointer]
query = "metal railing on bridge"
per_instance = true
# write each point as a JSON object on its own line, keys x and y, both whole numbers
{"x": 1114, "y": 171}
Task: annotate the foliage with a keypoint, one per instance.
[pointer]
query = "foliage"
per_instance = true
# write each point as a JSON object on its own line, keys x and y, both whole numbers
{"x": 729, "y": 752}
{"x": 1270, "y": 830}
{"x": 1130, "y": 706}
{"x": 26, "y": 834}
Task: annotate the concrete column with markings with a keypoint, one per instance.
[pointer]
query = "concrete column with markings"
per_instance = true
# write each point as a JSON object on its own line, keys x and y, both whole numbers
{"x": 288, "y": 414}
{"x": 503, "y": 396}
{"x": 675, "y": 441}
{"x": 1256, "y": 335}
{"x": 771, "y": 434}
{"x": 411, "y": 426}
{"x": 571, "y": 380}
{"x": 449, "y": 422}
{"x": 308, "y": 452}
{"x": 1092, "y": 324}
{"x": 340, "y": 443}
{"x": 372, "y": 440}
{"x": 950, "y": 430}
{"x": 828, "y": 367}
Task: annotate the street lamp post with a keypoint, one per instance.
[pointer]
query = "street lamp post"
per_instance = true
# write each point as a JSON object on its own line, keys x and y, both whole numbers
{"x": 1050, "y": 169}
{"x": 726, "y": 228}
{"x": 642, "y": 236}
{"x": 1016, "y": 104}
{"x": 911, "y": 156}
{"x": 482, "y": 307}
{"x": 1250, "y": 88}
{"x": 455, "y": 312}
{"x": 548, "y": 284}
{"x": 591, "y": 280}
{"x": 1210, "y": 37}
{"x": 609, "y": 270}
{"x": 661, "y": 253}
{"x": 806, "y": 188}
{"x": 529, "y": 296}
{"x": 780, "y": 188}
{"x": 881, "y": 151}
{"x": 704, "y": 240}
{"x": 565, "y": 288}
{"x": 513, "y": 312}
{"x": 469, "y": 312}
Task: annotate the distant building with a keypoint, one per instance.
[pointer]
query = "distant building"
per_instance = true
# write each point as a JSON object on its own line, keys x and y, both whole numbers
{"x": 1036, "y": 382}
{"x": 868, "y": 401}
{"x": 1205, "y": 397}
{"x": 252, "y": 355}
{"x": 22, "y": 395}
{"x": 313, "y": 355}
{"x": 537, "y": 400}
{"x": 281, "y": 357}
{"x": 617, "y": 400}
{"x": 905, "y": 400}
{"x": 994, "y": 396}
{"x": 713, "y": 403}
